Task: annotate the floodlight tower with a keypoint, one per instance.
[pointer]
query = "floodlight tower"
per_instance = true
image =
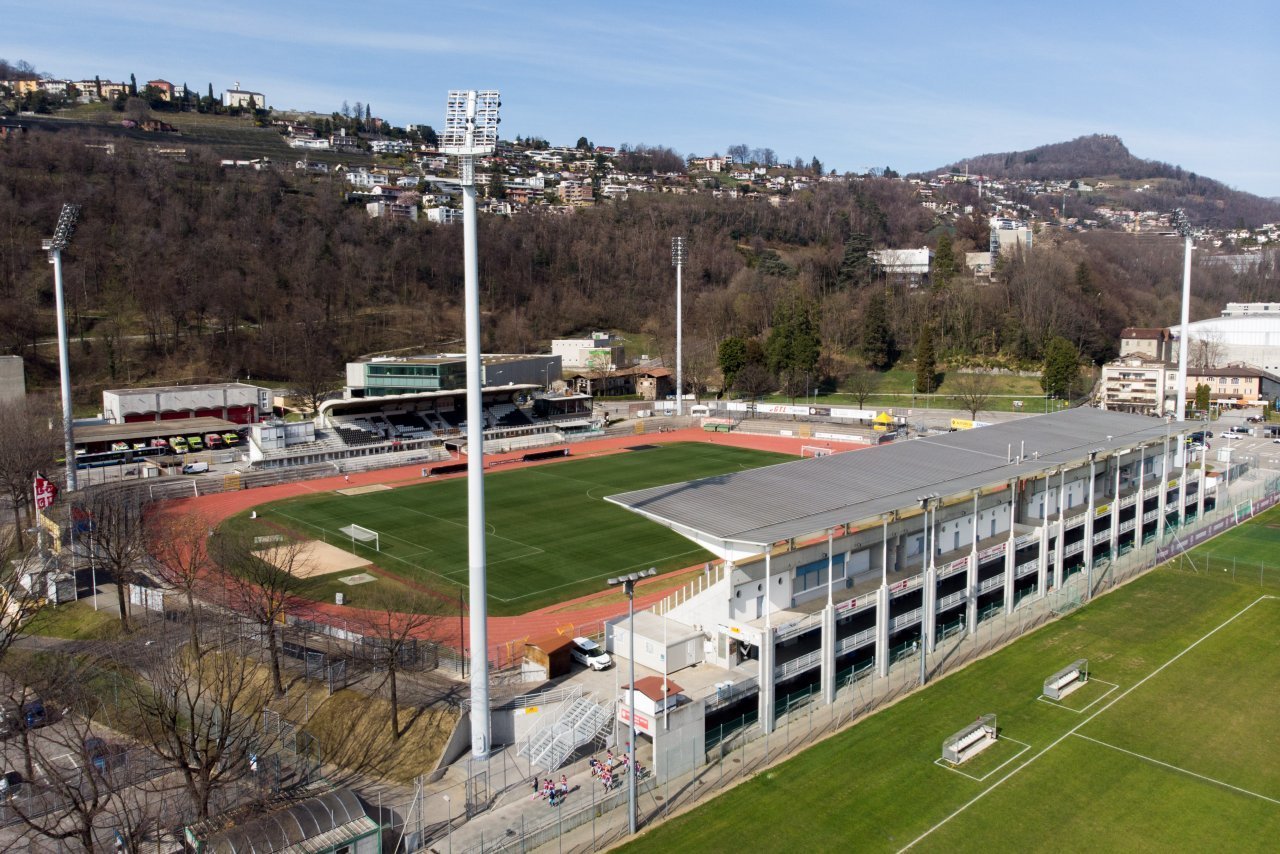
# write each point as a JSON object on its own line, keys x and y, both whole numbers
{"x": 1184, "y": 228}
{"x": 677, "y": 260}
{"x": 54, "y": 246}
{"x": 471, "y": 129}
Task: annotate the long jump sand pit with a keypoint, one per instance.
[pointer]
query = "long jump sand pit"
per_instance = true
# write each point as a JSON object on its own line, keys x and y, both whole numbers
{"x": 309, "y": 558}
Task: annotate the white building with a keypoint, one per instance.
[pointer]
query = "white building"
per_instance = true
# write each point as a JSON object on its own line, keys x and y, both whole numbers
{"x": 238, "y": 97}
{"x": 444, "y": 216}
{"x": 1010, "y": 234}
{"x": 909, "y": 265}
{"x": 1246, "y": 333}
{"x": 602, "y": 351}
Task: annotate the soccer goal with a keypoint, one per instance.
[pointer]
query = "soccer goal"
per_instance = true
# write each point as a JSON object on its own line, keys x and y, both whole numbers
{"x": 1067, "y": 679}
{"x": 1244, "y": 510}
{"x": 363, "y": 536}
{"x": 815, "y": 451}
{"x": 970, "y": 741}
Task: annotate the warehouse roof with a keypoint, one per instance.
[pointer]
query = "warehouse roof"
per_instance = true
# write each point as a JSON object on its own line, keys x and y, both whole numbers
{"x": 762, "y": 506}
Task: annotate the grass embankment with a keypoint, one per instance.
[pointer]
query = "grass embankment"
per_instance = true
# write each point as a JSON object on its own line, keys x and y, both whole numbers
{"x": 1151, "y": 765}
{"x": 895, "y": 390}
{"x": 75, "y": 621}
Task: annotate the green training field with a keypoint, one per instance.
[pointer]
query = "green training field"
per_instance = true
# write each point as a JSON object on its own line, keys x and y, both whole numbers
{"x": 551, "y": 536}
{"x": 1174, "y": 745}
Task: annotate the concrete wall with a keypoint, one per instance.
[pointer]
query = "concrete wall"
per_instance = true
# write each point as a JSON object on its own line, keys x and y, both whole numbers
{"x": 13, "y": 382}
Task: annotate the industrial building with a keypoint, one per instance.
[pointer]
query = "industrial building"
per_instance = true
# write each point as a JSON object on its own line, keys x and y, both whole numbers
{"x": 236, "y": 402}
{"x": 393, "y": 375}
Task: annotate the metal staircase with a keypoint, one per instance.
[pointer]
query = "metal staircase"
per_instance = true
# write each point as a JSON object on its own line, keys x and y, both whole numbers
{"x": 578, "y": 721}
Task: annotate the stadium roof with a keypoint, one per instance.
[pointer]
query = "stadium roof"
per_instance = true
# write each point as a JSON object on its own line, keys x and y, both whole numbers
{"x": 744, "y": 512}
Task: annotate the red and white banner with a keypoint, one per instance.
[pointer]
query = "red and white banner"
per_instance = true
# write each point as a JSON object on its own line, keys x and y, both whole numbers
{"x": 45, "y": 492}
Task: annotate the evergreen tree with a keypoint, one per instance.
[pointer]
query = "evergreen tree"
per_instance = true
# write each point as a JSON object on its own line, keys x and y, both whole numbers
{"x": 944, "y": 261}
{"x": 133, "y": 86}
{"x": 926, "y": 362}
{"x": 793, "y": 346}
{"x": 732, "y": 357}
{"x": 855, "y": 267}
{"x": 877, "y": 338}
{"x": 1061, "y": 376}
{"x": 1202, "y": 397}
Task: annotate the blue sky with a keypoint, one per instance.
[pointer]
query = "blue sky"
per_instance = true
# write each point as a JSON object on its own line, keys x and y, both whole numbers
{"x": 912, "y": 85}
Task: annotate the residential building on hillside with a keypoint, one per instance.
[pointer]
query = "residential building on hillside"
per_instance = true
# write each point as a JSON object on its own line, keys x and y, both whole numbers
{"x": 244, "y": 99}
{"x": 905, "y": 265}
{"x": 1010, "y": 234}
{"x": 164, "y": 87}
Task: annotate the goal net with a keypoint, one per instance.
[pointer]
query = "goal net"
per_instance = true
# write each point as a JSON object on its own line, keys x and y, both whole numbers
{"x": 815, "y": 451}
{"x": 363, "y": 536}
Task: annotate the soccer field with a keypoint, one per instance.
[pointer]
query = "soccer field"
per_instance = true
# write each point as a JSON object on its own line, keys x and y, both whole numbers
{"x": 551, "y": 536}
{"x": 1173, "y": 745}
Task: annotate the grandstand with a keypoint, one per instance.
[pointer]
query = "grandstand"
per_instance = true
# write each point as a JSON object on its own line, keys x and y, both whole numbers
{"x": 843, "y": 561}
{"x": 421, "y": 426}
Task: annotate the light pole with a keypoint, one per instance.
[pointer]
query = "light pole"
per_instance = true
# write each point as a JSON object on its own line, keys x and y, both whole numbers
{"x": 1184, "y": 227}
{"x": 677, "y": 260}
{"x": 54, "y": 246}
{"x": 628, "y": 583}
{"x": 448, "y": 825}
{"x": 471, "y": 130}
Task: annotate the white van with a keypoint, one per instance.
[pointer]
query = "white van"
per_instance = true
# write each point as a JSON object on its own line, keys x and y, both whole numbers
{"x": 588, "y": 652}
{"x": 195, "y": 468}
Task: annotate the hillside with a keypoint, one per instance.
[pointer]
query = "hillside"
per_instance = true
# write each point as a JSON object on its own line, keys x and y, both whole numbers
{"x": 1133, "y": 182}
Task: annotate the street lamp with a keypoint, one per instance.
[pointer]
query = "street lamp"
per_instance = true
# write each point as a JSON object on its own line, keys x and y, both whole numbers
{"x": 628, "y": 583}
{"x": 677, "y": 260}
{"x": 471, "y": 130}
{"x": 448, "y": 825}
{"x": 54, "y": 246}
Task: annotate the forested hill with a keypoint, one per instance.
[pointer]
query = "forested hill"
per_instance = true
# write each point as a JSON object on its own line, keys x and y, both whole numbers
{"x": 1133, "y": 182}
{"x": 183, "y": 270}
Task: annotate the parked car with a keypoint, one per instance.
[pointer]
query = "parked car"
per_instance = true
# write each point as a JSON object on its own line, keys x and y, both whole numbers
{"x": 31, "y": 715}
{"x": 103, "y": 755}
{"x": 195, "y": 468}
{"x": 10, "y": 784}
{"x": 588, "y": 652}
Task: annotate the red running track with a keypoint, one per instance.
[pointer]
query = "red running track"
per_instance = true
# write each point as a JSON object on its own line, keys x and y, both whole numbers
{"x": 540, "y": 623}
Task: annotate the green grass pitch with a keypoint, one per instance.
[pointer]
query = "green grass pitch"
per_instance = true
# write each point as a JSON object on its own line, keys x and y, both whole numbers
{"x": 551, "y": 535}
{"x": 1183, "y": 755}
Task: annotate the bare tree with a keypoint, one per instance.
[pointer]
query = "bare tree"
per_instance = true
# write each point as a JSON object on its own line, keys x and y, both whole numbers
{"x": 30, "y": 439}
{"x": 200, "y": 714}
{"x": 754, "y": 380}
{"x": 262, "y": 584}
{"x": 862, "y": 383}
{"x": 1206, "y": 351}
{"x": 973, "y": 390}
{"x": 179, "y": 544}
{"x": 115, "y": 532}
{"x": 394, "y": 629}
{"x": 88, "y": 778}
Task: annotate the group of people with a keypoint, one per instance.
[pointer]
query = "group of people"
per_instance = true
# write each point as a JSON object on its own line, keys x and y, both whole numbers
{"x": 613, "y": 766}
{"x": 552, "y": 792}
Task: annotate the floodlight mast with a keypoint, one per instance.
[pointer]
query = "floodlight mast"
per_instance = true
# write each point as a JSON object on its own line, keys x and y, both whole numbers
{"x": 677, "y": 259}
{"x": 471, "y": 129}
{"x": 1184, "y": 228}
{"x": 61, "y": 238}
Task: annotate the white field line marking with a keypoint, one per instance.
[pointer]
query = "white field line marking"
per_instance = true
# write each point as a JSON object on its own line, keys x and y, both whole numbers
{"x": 942, "y": 763}
{"x": 1042, "y": 698}
{"x": 1072, "y": 731}
{"x": 1180, "y": 770}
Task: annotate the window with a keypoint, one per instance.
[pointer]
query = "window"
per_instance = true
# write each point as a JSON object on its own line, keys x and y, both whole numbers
{"x": 993, "y": 527}
{"x": 956, "y": 542}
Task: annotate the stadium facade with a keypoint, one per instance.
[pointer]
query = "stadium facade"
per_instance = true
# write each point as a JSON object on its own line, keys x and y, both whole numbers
{"x": 847, "y": 561}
